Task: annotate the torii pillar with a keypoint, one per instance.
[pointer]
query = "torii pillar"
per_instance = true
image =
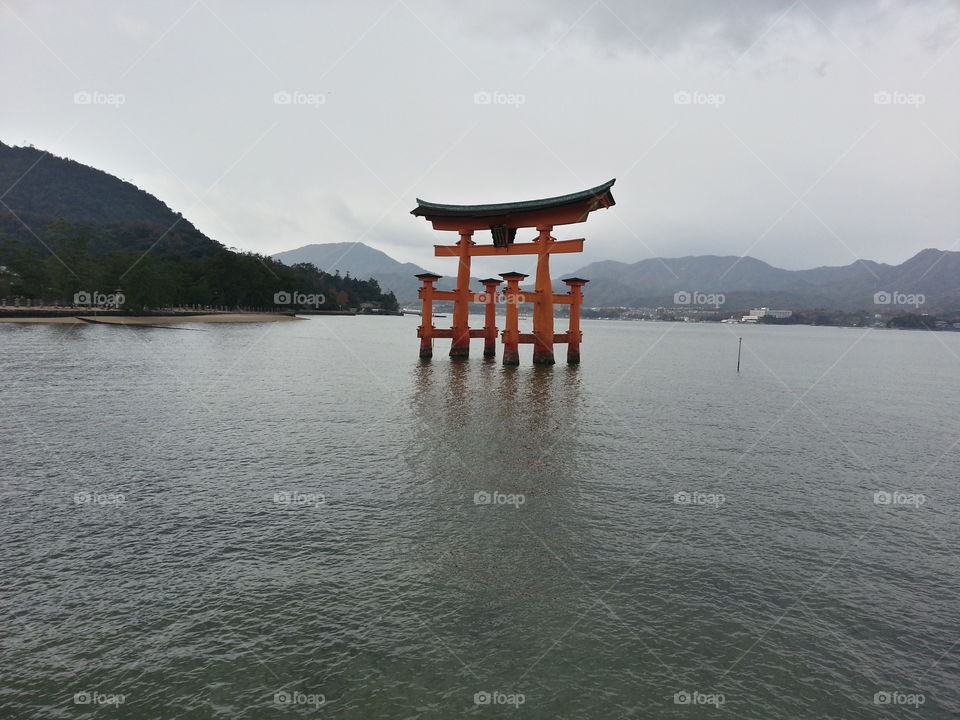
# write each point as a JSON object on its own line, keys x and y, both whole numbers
{"x": 543, "y": 304}
{"x": 511, "y": 332}
{"x": 574, "y": 336}
{"x": 460, "y": 345}
{"x": 426, "y": 329}
{"x": 489, "y": 300}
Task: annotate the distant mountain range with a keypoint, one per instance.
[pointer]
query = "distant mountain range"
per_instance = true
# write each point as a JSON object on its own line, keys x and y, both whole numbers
{"x": 745, "y": 282}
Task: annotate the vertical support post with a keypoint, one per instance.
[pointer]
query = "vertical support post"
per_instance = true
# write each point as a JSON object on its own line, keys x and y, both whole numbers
{"x": 573, "y": 333}
{"x": 460, "y": 345}
{"x": 543, "y": 305}
{"x": 490, "y": 317}
{"x": 425, "y": 331}
{"x": 511, "y": 334}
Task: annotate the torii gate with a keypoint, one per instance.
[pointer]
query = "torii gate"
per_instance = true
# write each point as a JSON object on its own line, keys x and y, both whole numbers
{"x": 503, "y": 220}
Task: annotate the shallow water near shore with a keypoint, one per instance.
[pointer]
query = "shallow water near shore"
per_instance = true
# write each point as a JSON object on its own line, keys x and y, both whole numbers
{"x": 303, "y": 519}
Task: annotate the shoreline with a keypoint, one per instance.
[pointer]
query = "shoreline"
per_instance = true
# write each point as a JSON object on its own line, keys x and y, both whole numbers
{"x": 149, "y": 319}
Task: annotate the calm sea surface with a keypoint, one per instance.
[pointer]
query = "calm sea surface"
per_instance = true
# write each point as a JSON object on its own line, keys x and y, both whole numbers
{"x": 303, "y": 520}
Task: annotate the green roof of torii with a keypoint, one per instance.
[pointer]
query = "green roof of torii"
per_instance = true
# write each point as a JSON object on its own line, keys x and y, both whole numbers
{"x": 429, "y": 209}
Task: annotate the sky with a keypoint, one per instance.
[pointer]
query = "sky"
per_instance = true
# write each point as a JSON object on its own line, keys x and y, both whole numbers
{"x": 802, "y": 133}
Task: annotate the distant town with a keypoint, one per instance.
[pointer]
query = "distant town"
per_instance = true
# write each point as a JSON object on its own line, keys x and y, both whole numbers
{"x": 768, "y": 316}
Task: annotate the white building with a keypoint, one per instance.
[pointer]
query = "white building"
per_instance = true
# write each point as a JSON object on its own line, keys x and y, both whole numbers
{"x": 758, "y": 313}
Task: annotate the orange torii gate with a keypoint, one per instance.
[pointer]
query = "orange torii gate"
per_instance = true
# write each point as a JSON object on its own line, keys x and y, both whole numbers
{"x": 503, "y": 220}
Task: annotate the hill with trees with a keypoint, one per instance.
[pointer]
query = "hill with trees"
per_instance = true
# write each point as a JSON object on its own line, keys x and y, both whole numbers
{"x": 67, "y": 228}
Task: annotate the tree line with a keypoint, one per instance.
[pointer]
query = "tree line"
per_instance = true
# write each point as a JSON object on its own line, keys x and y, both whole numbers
{"x": 66, "y": 264}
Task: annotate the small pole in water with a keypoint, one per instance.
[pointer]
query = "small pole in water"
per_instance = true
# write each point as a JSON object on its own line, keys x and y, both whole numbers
{"x": 739, "y": 346}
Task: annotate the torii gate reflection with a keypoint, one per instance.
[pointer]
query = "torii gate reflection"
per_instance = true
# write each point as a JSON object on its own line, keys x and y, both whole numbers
{"x": 503, "y": 220}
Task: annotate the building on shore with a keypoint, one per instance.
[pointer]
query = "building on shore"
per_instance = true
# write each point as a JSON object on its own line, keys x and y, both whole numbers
{"x": 758, "y": 313}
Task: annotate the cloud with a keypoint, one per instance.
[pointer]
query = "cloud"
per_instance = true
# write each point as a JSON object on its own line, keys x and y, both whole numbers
{"x": 666, "y": 25}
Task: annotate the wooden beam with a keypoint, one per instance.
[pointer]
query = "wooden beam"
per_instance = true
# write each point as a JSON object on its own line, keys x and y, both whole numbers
{"x": 532, "y": 338}
{"x": 527, "y": 248}
{"x": 536, "y": 218}
{"x": 444, "y": 295}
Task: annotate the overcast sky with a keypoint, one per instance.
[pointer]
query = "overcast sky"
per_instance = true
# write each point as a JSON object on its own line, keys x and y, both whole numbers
{"x": 802, "y": 133}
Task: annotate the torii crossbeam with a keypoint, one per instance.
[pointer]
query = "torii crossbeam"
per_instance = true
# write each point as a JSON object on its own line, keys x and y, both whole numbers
{"x": 503, "y": 220}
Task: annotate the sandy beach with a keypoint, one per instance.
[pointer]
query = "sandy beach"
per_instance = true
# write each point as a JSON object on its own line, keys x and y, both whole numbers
{"x": 152, "y": 319}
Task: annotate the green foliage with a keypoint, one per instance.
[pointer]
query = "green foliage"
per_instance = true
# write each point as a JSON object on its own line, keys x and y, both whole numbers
{"x": 820, "y": 316}
{"x": 67, "y": 263}
{"x": 913, "y": 321}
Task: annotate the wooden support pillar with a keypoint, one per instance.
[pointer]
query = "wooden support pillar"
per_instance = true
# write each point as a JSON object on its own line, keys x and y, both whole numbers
{"x": 574, "y": 336}
{"x": 490, "y": 316}
{"x": 460, "y": 345}
{"x": 543, "y": 305}
{"x": 511, "y": 333}
{"x": 425, "y": 331}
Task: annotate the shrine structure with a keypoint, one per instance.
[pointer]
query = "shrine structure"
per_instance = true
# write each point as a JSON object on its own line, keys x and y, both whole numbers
{"x": 503, "y": 220}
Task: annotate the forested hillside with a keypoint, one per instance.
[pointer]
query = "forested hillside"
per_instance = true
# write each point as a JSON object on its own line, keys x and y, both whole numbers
{"x": 67, "y": 228}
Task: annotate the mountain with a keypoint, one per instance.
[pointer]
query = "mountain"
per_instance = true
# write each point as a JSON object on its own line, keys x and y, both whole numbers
{"x": 826, "y": 275}
{"x": 363, "y": 261}
{"x": 343, "y": 256}
{"x": 747, "y": 282}
{"x": 41, "y": 188}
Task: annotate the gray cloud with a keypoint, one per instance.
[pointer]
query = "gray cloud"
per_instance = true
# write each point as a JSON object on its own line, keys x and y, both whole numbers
{"x": 665, "y": 25}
